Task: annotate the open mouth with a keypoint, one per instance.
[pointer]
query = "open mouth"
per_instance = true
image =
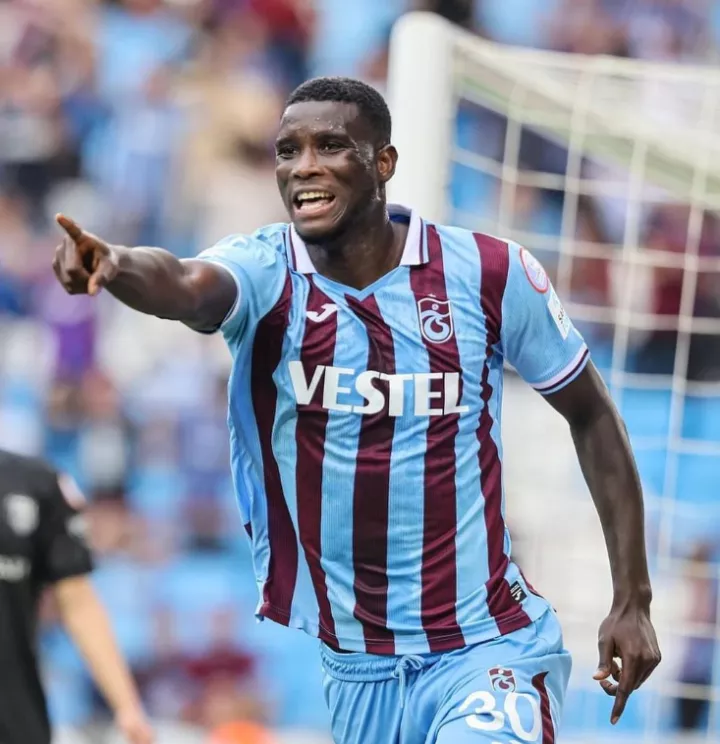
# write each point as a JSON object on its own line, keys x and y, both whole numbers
{"x": 312, "y": 203}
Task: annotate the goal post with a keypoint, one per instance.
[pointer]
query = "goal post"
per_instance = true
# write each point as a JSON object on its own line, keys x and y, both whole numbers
{"x": 609, "y": 170}
{"x": 566, "y": 97}
{"x": 423, "y": 110}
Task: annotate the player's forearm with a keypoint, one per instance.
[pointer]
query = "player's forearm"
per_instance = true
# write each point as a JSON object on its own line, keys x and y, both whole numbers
{"x": 153, "y": 281}
{"x": 609, "y": 468}
{"x": 88, "y": 625}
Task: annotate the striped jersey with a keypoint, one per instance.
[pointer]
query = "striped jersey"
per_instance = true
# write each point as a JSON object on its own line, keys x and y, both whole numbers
{"x": 365, "y": 432}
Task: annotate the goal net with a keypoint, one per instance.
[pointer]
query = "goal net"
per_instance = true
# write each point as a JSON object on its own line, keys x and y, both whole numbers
{"x": 608, "y": 170}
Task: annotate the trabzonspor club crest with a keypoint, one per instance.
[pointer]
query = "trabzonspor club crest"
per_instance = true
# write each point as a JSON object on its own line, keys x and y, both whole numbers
{"x": 436, "y": 322}
{"x": 501, "y": 679}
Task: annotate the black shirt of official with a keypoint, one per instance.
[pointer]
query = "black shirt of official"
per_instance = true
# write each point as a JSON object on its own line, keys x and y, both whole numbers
{"x": 41, "y": 542}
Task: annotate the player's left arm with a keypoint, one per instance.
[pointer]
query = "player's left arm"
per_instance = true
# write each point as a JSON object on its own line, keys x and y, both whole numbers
{"x": 64, "y": 561}
{"x": 540, "y": 341}
{"x": 607, "y": 462}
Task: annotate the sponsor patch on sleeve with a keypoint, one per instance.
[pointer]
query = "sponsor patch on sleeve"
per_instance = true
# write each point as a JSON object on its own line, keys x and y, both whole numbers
{"x": 562, "y": 321}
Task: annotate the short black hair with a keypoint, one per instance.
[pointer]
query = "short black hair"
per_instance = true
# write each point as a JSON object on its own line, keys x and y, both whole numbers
{"x": 348, "y": 90}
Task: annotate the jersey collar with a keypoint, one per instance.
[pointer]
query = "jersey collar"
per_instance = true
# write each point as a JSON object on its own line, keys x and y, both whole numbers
{"x": 414, "y": 252}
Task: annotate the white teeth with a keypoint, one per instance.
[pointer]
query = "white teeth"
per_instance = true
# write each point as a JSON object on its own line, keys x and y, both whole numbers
{"x": 307, "y": 195}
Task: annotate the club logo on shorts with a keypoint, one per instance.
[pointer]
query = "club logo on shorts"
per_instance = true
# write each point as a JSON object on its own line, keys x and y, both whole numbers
{"x": 436, "y": 321}
{"x": 22, "y": 513}
{"x": 534, "y": 271}
{"x": 501, "y": 679}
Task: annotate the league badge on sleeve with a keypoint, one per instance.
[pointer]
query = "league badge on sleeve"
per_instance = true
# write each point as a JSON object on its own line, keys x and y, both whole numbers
{"x": 535, "y": 273}
{"x": 501, "y": 679}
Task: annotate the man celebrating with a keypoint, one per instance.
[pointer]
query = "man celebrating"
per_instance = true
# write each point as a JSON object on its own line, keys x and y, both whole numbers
{"x": 365, "y": 396}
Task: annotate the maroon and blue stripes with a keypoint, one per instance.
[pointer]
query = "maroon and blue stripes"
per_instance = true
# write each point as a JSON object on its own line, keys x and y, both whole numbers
{"x": 439, "y": 560}
{"x": 371, "y": 491}
{"x": 318, "y": 348}
{"x": 279, "y": 586}
{"x": 495, "y": 264}
{"x": 548, "y": 728}
{"x": 294, "y": 536}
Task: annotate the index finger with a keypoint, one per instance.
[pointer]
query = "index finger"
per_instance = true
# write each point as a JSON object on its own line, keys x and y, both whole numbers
{"x": 626, "y": 686}
{"x": 70, "y": 227}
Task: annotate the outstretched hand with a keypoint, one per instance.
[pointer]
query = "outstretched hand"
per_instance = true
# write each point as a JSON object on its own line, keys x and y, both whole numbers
{"x": 83, "y": 263}
{"x": 627, "y": 635}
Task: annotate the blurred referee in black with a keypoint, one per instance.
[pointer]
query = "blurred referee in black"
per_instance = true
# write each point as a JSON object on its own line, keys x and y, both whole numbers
{"x": 42, "y": 542}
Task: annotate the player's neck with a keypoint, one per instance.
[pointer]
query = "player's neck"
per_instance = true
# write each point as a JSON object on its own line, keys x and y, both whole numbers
{"x": 369, "y": 250}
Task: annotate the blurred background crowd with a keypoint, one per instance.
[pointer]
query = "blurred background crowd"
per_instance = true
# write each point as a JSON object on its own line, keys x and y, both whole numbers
{"x": 152, "y": 122}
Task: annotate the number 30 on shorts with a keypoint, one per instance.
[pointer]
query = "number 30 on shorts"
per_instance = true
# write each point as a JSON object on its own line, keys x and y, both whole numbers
{"x": 482, "y": 714}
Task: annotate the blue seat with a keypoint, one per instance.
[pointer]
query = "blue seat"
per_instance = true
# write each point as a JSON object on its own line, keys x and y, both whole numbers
{"x": 588, "y": 711}
{"x": 124, "y": 587}
{"x": 472, "y": 191}
{"x": 600, "y": 349}
{"x": 698, "y": 479}
{"x": 155, "y": 492}
{"x": 196, "y": 587}
{"x": 701, "y": 419}
{"x": 646, "y": 411}
{"x": 651, "y": 464}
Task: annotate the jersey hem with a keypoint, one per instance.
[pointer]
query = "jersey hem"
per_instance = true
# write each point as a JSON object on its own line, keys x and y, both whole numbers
{"x": 487, "y": 630}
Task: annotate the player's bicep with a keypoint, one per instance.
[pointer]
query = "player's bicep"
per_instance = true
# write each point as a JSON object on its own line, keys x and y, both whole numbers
{"x": 62, "y": 549}
{"x": 538, "y": 338}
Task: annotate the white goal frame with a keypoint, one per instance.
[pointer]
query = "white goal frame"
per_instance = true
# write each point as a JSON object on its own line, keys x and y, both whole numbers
{"x": 427, "y": 51}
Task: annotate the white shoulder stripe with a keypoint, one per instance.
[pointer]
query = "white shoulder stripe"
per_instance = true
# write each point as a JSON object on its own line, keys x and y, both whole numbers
{"x": 232, "y": 313}
{"x": 566, "y": 371}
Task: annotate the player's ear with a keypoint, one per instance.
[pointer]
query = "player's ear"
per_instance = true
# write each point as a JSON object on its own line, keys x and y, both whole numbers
{"x": 387, "y": 158}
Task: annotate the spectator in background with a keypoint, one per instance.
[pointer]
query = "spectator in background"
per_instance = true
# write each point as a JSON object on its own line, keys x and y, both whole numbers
{"x": 516, "y": 22}
{"x": 31, "y": 131}
{"x": 129, "y": 154}
{"x": 233, "y": 101}
{"x": 16, "y": 272}
{"x": 459, "y": 12}
{"x": 104, "y": 456}
{"x": 699, "y": 654}
{"x": 668, "y": 230}
{"x": 665, "y": 30}
{"x": 585, "y": 27}
{"x": 289, "y": 29}
{"x": 347, "y": 34}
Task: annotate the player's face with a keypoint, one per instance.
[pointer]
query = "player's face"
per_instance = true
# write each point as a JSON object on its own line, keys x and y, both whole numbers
{"x": 328, "y": 168}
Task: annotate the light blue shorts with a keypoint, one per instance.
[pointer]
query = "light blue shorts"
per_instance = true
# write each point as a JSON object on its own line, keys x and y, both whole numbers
{"x": 507, "y": 691}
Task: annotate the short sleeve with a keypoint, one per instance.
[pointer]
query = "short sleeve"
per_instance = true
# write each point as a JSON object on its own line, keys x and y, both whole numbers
{"x": 259, "y": 271}
{"x": 537, "y": 336}
{"x": 62, "y": 549}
